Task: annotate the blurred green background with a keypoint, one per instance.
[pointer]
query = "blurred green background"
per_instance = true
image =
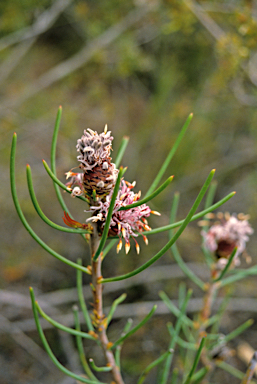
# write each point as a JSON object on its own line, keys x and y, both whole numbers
{"x": 141, "y": 67}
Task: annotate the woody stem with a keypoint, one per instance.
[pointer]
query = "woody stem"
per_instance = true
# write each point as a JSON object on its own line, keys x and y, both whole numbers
{"x": 99, "y": 317}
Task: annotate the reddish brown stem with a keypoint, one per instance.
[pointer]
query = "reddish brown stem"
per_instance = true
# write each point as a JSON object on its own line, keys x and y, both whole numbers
{"x": 99, "y": 318}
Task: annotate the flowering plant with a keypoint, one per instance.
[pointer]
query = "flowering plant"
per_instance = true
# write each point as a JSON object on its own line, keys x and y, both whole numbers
{"x": 118, "y": 214}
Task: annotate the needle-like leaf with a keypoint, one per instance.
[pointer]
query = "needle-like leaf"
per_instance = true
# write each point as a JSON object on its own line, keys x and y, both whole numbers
{"x": 49, "y": 351}
{"x": 23, "y": 219}
{"x": 172, "y": 240}
{"x": 40, "y": 212}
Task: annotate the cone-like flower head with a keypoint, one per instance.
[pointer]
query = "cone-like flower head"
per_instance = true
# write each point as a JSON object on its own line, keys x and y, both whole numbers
{"x": 226, "y": 234}
{"x": 126, "y": 222}
{"x": 99, "y": 174}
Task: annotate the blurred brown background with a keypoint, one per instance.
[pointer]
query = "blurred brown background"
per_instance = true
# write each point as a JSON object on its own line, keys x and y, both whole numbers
{"x": 141, "y": 67}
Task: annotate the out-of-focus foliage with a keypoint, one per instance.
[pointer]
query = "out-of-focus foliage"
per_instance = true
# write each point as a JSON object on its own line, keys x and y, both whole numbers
{"x": 143, "y": 79}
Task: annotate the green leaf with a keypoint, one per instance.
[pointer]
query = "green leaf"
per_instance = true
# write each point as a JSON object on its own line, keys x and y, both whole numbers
{"x": 81, "y": 298}
{"x": 190, "y": 274}
{"x": 121, "y": 150}
{"x": 173, "y": 341}
{"x": 127, "y": 327}
{"x": 40, "y": 212}
{"x": 172, "y": 240}
{"x": 170, "y": 156}
{"x": 49, "y": 351}
{"x": 196, "y": 360}
{"x": 63, "y": 186}
{"x": 149, "y": 197}
{"x": 63, "y": 327}
{"x": 99, "y": 369}
{"x": 226, "y": 269}
{"x": 114, "y": 306}
{"x": 152, "y": 365}
{"x": 109, "y": 215}
{"x": 23, "y": 219}
{"x": 194, "y": 217}
{"x": 174, "y": 309}
{"x": 80, "y": 346}
{"x": 124, "y": 337}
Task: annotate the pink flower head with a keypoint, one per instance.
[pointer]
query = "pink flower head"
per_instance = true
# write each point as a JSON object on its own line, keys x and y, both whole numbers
{"x": 94, "y": 148}
{"x": 123, "y": 223}
{"x": 228, "y": 233}
{"x": 99, "y": 173}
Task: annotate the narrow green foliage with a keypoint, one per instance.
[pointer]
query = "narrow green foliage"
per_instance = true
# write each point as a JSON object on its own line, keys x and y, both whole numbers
{"x": 49, "y": 351}
{"x": 238, "y": 275}
{"x": 230, "y": 369}
{"x": 184, "y": 344}
{"x": 194, "y": 217}
{"x": 174, "y": 376}
{"x": 99, "y": 369}
{"x": 53, "y": 159}
{"x": 114, "y": 306}
{"x": 23, "y": 219}
{"x": 149, "y": 197}
{"x": 63, "y": 186}
{"x": 152, "y": 365}
{"x": 236, "y": 332}
{"x": 196, "y": 360}
{"x": 80, "y": 346}
{"x": 187, "y": 271}
{"x": 63, "y": 327}
{"x": 121, "y": 150}
{"x": 173, "y": 239}
{"x": 174, "y": 309}
{"x": 108, "y": 247}
{"x": 180, "y": 320}
{"x": 81, "y": 298}
{"x": 170, "y": 156}
{"x": 40, "y": 212}
{"x": 199, "y": 375}
{"x": 124, "y": 337}
{"x": 226, "y": 269}
{"x": 109, "y": 215}
{"x": 118, "y": 348}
